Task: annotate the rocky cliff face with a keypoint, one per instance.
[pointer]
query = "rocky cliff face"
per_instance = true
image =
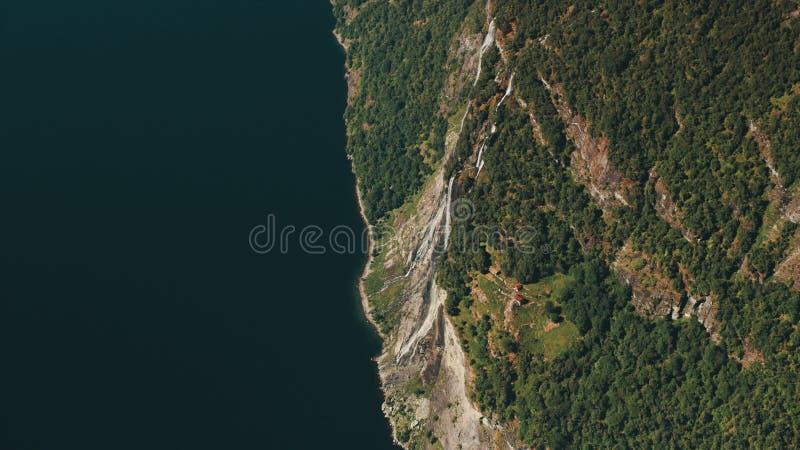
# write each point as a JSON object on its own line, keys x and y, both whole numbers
{"x": 589, "y": 162}
{"x": 424, "y": 375}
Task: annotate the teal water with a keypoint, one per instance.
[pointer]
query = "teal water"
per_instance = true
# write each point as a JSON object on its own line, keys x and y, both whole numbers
{"x": 141, "y": 141}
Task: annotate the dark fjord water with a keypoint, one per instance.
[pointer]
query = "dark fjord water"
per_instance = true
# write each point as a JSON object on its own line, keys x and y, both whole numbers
{"x": 141, "y": 141}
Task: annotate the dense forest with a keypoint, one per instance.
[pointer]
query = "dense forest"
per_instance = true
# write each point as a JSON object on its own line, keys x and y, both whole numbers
{"x": 395, "y": 128}
{"x": 639, "y": 287}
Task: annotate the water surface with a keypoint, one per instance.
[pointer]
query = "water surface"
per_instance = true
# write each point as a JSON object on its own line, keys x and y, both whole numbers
{"x": 140, "y": 143}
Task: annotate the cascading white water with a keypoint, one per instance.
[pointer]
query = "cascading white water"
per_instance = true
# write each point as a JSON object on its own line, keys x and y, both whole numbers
{"x": 488, "y": 41}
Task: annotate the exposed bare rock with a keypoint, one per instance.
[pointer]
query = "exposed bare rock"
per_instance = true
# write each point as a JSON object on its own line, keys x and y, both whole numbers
{"x": 705, "y": 308}
{"x": 508, "y": 311}
{"x": 653, "y": 294}
{"x": 537, "y": 128}
{"x": 351, "y": 12}
{"x": 344, "y": 43}
{"x": 465, "y": 49}
{"x": 351, "y": 75}
{"x": 466, "y": 429}
{"x": 707, "y": 315}
{"x": 690, "y": 307}
{"x": 353, "y": 78}
{"x": 787, "y": 204}
{"x": 792, "y": 210}
{"x": 679, "y": 121}
{"x": 667, "y": 209}
{"x": 788, "y": 271}
{"x": 422, "y": 348}
{"x": 488, "y": 42}
{"x": 547, "y": 43}
{"x": 589, "y": 162}
{"x": 502, "y": 39}
{"x": 765, "y": 147}
{"x": 750, "y": 355}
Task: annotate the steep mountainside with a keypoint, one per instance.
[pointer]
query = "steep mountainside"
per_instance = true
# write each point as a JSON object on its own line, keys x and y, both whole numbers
{"x": 585, "y": 219}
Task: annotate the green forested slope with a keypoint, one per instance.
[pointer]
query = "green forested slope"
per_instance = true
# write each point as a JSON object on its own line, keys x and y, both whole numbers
{"x": 398, "y": 52}
{"x": 694, "y": 101}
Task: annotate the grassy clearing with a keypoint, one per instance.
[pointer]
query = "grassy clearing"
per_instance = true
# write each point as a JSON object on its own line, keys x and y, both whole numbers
{"x": 374, "y": 281}
{"x": 495, "y": 296}
{"x": 553, "y": 286}
{"x": 559, "y": 339}
{"x": 382, "y": 298}
{"x": 537, "y": 332}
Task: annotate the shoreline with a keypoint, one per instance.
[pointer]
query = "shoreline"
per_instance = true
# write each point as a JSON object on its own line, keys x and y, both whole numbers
{"x": 362, "y": 293}
{"x": 466, "y": 423}
{"x": 359, "y": 199}
{"x": 370, "y": 246}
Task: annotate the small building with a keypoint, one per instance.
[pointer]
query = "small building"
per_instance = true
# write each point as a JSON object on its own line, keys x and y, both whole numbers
{"x": 518, "y": 287}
